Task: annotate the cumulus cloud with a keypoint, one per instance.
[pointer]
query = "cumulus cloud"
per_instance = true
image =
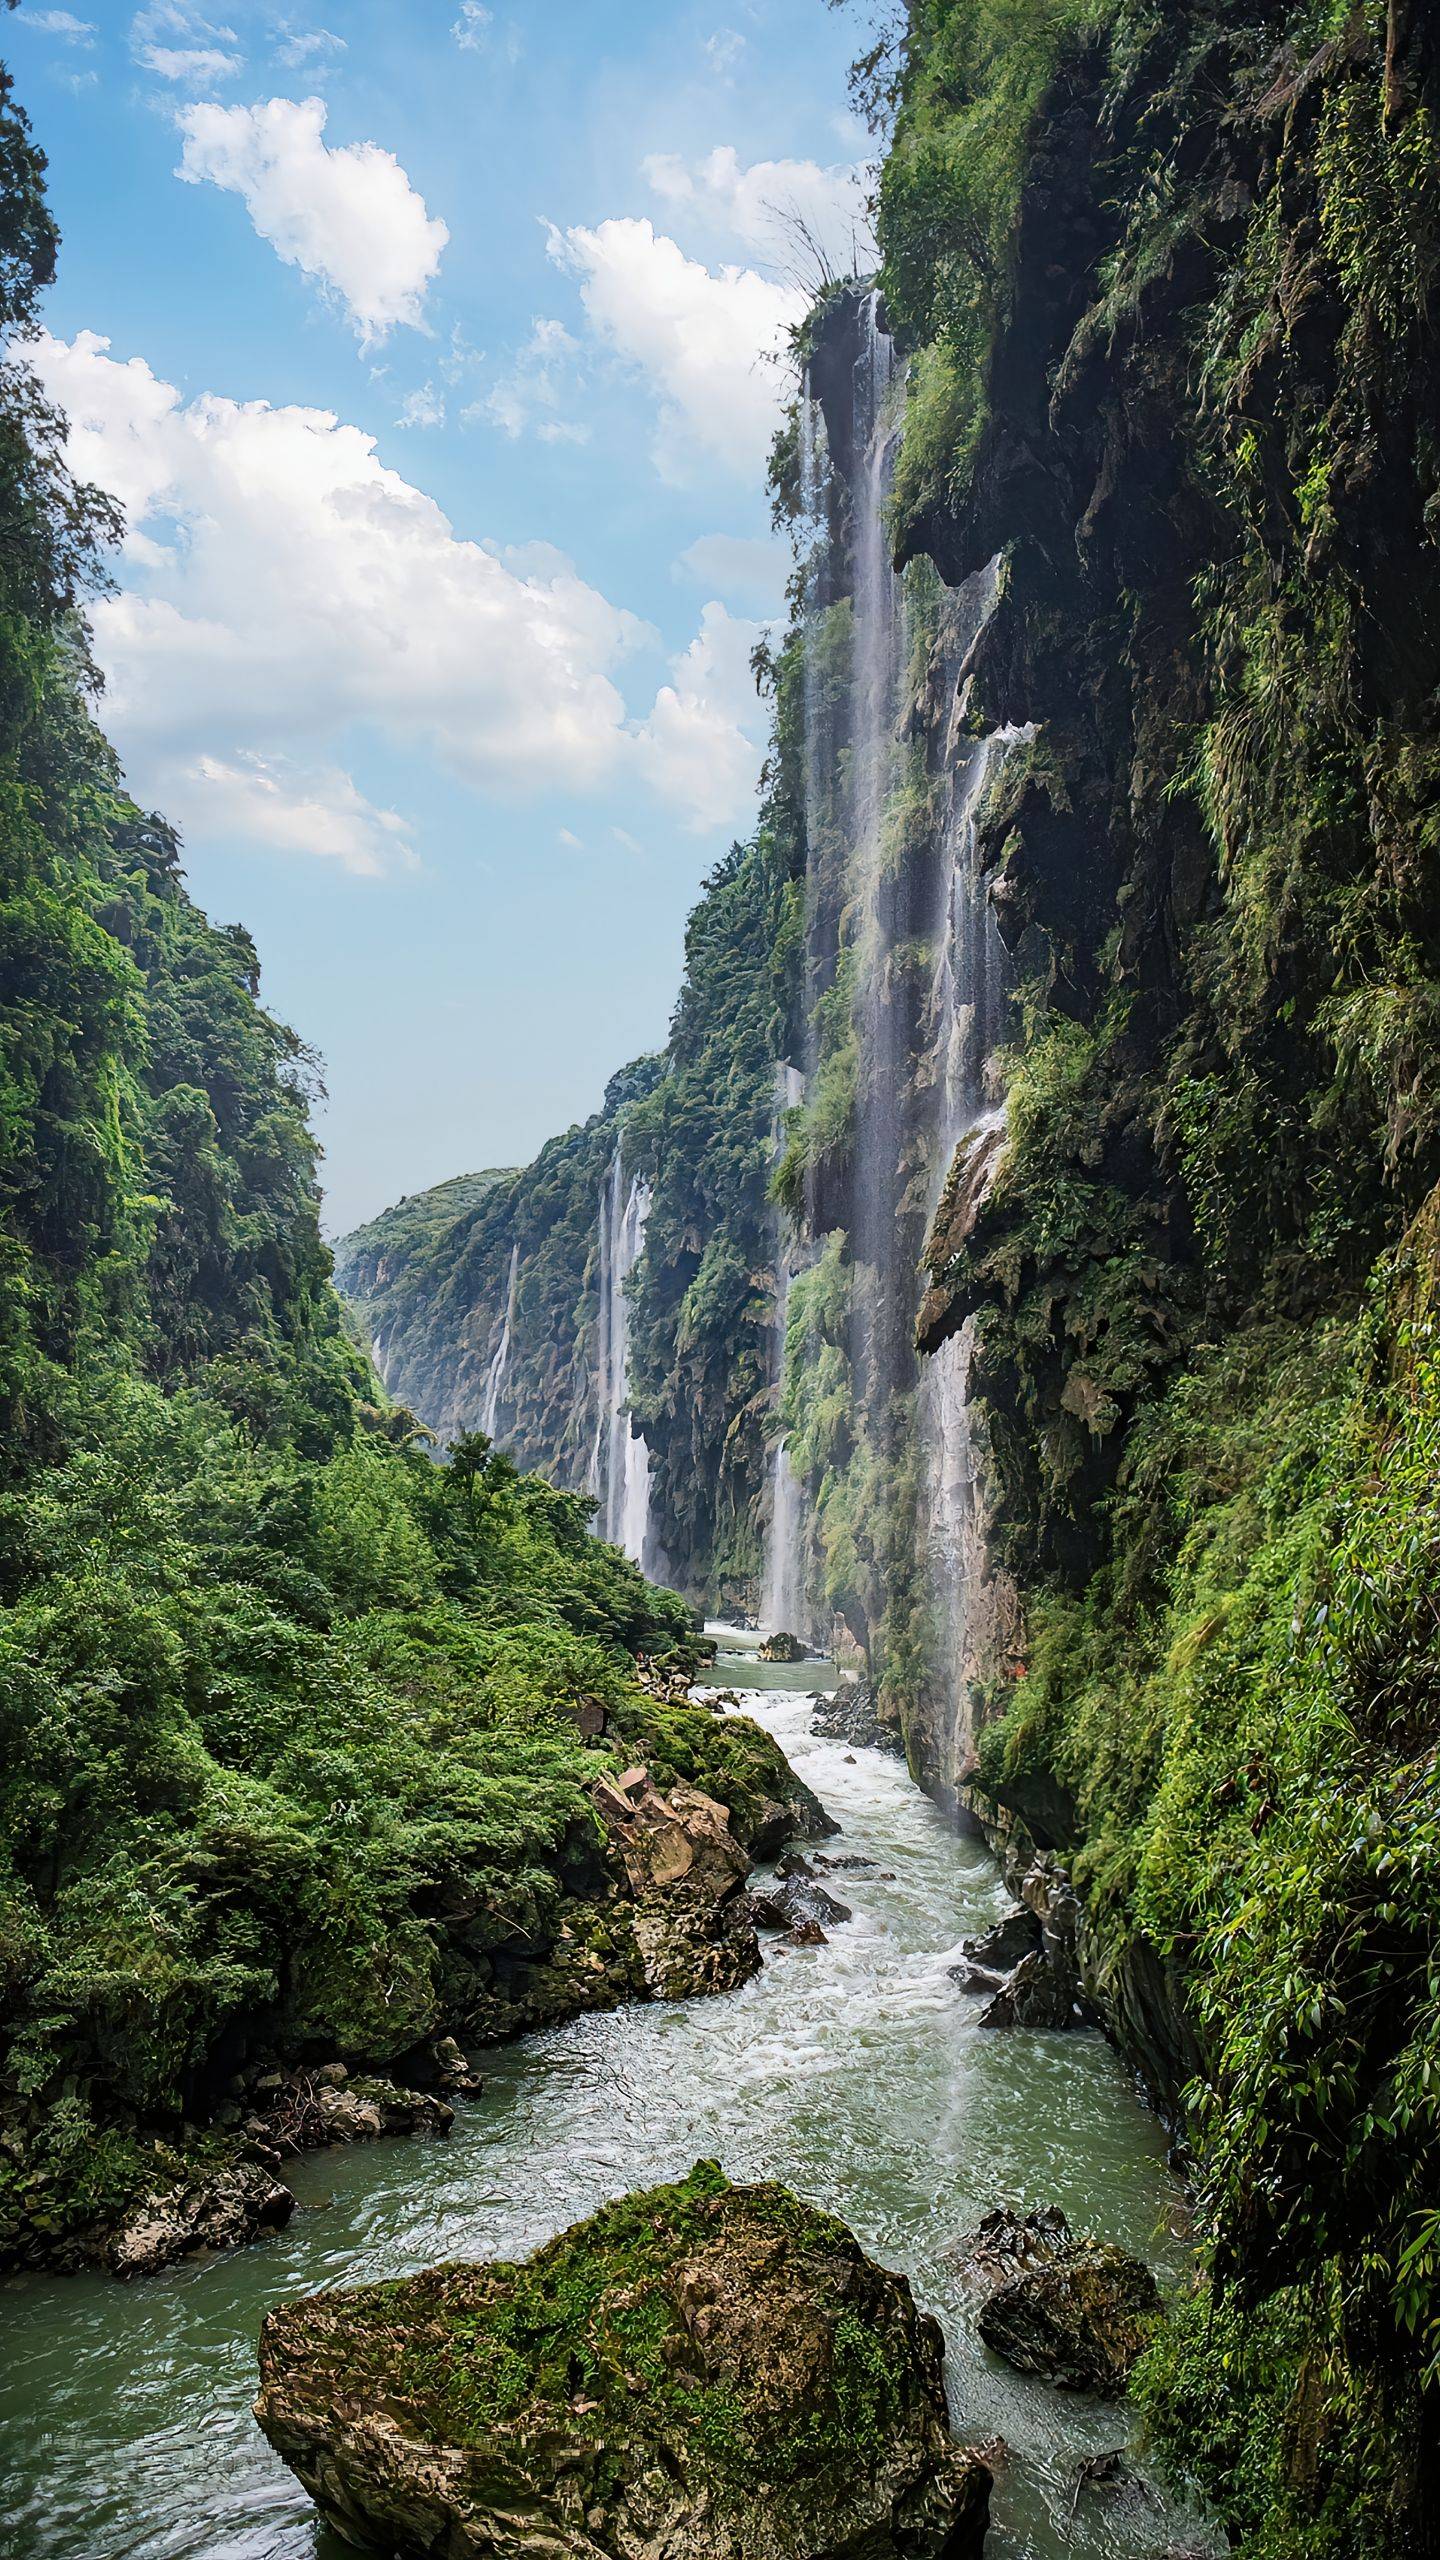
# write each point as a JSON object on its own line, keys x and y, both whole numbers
{"x": 472, "y": 26}
{"x": 349, "y": 217}
{"x": 700, "y": 747}
{"x": 709, "y": 343}
{"x": 285, "y": 588}
{"x": 178, "y": 45}
{"x": 541, "y": 380}
{"x": 784, "y": 210}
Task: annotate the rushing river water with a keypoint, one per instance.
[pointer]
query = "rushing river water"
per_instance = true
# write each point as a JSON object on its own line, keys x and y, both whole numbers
{"x": 854, "y": 2071}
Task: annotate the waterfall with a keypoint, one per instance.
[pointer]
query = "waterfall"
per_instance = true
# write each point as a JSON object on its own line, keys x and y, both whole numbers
{"x": 619, "y": 1472}
{"x": 783, "y": 1601}
{"x": 967, "y": 1011}
{"x": 894, "y": 782}
{"x": 878, "y": 655}
{"x": 500, "y": 1358}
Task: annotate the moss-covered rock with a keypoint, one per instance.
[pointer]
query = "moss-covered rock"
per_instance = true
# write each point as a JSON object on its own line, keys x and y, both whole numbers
{"x": 702, "y": 2368}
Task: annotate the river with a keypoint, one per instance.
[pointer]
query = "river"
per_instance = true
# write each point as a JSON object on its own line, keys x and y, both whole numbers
{"x": 855, "y": 2071}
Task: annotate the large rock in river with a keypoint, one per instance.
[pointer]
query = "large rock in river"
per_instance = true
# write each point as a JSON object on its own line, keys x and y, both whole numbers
{"x": 685, "y": 1870}
{"x": 705, "y": 2370}
{"x": 1075, "y": 2309}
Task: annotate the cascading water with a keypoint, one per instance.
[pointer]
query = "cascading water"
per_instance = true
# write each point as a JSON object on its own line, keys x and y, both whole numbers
{"x": 967, "y": 1020}
{"x": 783, "y": 1601}
{"x": 899, "y": 929}
{"x": 500, "y": 1360}
{"x": 619, "y": 1472}
{"x": 879, "y": 650}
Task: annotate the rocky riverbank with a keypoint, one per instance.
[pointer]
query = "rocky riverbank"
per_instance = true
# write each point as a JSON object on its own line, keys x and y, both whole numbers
{"x": 651, "y": 1906}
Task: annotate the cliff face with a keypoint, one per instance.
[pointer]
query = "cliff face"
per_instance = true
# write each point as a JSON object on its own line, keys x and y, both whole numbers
{"x": 608, "y": 1313}
{"x": 1166, "y": 282}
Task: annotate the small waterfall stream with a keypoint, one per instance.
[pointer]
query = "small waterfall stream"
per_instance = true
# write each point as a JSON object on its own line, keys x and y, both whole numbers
{"x": 783, "y": 1600}
{"x": 619, "y": 1473}
{"x": 500, "y": 1361}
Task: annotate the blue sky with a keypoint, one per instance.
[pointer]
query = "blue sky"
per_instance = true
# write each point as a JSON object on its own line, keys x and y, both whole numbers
{"x": 425, "y": 345}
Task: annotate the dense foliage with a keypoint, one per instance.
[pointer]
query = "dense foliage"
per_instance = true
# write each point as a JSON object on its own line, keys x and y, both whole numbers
{"x": 1205, "y": 1270}
{"x": 290, "y": 1716}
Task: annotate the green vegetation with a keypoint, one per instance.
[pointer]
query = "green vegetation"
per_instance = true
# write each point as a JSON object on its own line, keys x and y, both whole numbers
{"x": 290, "y": 1750}
{"x": 601, "y": 2319}
{"x": 1205, "y": 1273}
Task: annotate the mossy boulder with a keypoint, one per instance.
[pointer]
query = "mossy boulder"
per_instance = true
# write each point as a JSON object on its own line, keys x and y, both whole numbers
{"x": 702, "y": 2368}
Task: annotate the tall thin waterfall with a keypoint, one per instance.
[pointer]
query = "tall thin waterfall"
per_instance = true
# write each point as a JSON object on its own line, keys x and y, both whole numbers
{"x": 902, "y": 947}
{"x": 783, "y": 1601}
{"x": 619, "y": 1471}
{"x": 500, "y": 1358}
{"x": 967, "y": 1018}
{"x": 878, "y": 655}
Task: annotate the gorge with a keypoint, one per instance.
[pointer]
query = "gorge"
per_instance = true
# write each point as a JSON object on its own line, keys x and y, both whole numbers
{"x": 1015, "y": 1278}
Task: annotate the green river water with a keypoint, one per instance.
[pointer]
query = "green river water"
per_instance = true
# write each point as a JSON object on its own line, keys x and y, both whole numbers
{"x": 855, "y": 2071}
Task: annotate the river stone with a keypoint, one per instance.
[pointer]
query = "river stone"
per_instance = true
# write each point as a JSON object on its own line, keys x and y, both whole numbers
{"x": 794, "y": 1901}
{"x": 214, "y": 2208}
{"x": 693, "y": 1928}
{"x": 710, "y": 2370}
{"x": 1075, "y": 2309}
{"x": 1034, "y": 1995}
{"x": 783, "y": 1647}
{"x": 1005, "y": 1945}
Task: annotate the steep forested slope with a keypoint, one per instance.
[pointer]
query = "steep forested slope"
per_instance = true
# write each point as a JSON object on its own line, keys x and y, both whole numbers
{"x": 298, "y": 1731}
{"x": 496, "y": 1313}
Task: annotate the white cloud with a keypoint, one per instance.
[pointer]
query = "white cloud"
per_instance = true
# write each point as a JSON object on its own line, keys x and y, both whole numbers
{"x": 59, "y": 22}
{"x": 422, "y": 408}
{"x": 529, "y": 399}
{"x": 471, "y": 27}
{"x": 203, "y": 54}
{"x": 708, "y": 343}
{"x": 743, "y": 567}
{"x": 252, "y": 800}
{"x": 309, "y": 49}
{"x": 776, "y": 208}
{"x": 284, "y": 588}
{"x": 700, "y": 748}
{"x": 348, "y": 216}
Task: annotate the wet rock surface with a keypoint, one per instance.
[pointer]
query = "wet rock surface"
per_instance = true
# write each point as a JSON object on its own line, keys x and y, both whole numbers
{"x": 1028, "y": 1964}
{"x": 1002, "y": 1947}
{"x": 782, "y": 1647}
{"x": 693, "y": 1927}
{"x": 1074, "y": 2309}
{"x": 798, "y": 1902}
{"x": 704, "y": 2369}
{"x": 215, "y": 2209}
{"x": 847, "y": 1714}
{"x": 1036, "y": 1994}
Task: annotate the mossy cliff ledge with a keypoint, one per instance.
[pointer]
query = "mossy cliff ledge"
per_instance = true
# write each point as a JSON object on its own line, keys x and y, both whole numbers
{"x": 706, "y": 2368}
